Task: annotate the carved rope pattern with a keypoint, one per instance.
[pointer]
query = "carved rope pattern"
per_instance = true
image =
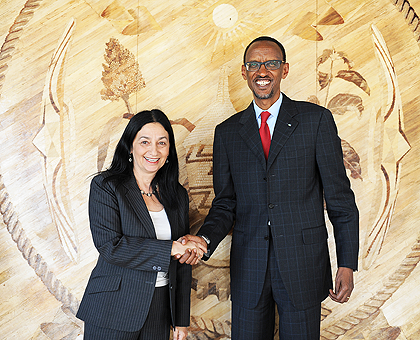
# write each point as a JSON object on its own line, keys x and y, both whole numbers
{"x": 62, "y": 294}
{"x": 410, "y": 16}
{"x": 31, "y": 255}
{"x": 10, "y": 219}
{"x": 372, "y": 305}
{"x": 9, "y": 46}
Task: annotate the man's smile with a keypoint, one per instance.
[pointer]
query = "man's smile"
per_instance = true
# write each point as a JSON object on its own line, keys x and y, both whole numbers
{"x": 262, "y": 82}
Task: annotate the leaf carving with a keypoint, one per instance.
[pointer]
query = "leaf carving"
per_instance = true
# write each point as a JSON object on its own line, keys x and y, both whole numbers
{"x": 345, "y": 102}
{"x": 334, "y": 56}
{"x": 324, "y": 79}
{"x": 345, "y": 59}
{"x": 313, "y": 99}
{"x": 331, "y": 17}
{"x": 355, "y": 78}
{"x": 351, "y": 160}
{"x": 324, "y": 57}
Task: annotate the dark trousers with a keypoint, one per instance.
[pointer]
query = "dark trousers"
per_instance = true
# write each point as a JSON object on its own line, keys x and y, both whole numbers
{"x": 156, "y": 326}
{"x": 258, "y": 323}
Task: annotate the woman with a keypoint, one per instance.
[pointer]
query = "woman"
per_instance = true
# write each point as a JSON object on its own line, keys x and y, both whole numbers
{"x": 136, "y": 208}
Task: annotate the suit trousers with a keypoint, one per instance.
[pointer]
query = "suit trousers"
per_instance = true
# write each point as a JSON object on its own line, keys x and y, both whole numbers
{"x": 258, "y": 323}
{"x": 156, "y": 327}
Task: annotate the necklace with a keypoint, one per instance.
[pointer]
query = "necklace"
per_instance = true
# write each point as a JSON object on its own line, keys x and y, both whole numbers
{"x": 148, "y": 194}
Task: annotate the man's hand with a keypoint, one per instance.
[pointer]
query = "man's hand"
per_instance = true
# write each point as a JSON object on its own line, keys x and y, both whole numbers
{"x": 187, "y": 247}
{"x": 190, "y": 256}
{"x": 343, "y": 285}
{"x": 180, "y": 333}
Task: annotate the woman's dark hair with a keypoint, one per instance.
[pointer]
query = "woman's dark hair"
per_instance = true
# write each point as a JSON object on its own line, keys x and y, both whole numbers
{"x": 265, "y": 38}
{"x": 167, "y": 177}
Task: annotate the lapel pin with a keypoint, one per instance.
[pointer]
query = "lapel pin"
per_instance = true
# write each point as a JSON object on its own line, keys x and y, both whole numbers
{"x": 289, "y": 124}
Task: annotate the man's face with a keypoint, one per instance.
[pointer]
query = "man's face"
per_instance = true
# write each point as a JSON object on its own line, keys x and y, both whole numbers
{"x": 265, "y": 84}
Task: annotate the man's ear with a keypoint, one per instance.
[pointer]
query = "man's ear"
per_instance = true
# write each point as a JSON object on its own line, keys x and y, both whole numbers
{"x": 244, "y": 72}
{"x": 285, "y": 70}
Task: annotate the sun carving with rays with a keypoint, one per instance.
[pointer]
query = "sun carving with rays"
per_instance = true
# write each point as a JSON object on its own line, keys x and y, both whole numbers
{"x": 223, "y": 27}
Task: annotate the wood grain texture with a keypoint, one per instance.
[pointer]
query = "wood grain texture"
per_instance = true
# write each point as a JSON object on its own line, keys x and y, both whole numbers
{"x": 59, "y": 124}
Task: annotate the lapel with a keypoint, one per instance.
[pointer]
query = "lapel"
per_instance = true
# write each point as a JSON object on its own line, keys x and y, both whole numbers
{"x": 285, "y": 125}
{"x": 172, "y": 217}
{"x": 135, "y": 199}
{"x": 250, "y": 134}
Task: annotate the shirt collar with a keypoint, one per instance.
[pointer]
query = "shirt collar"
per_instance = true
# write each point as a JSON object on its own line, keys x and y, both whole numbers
{"x": 274, "y": 109}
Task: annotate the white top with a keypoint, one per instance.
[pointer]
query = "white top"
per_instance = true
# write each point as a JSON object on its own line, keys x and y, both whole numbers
{"x": 274, "y": 112}
{"x": 163, "y": 232}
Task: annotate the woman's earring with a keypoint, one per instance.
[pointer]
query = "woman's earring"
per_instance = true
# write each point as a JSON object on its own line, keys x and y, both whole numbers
{"x": 167, "y": 161}
{"x": 130, "y": 157}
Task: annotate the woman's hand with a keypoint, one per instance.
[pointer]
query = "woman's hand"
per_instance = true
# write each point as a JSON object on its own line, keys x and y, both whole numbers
{"x": 189, "y": 247}
{"x": 180, "y": 333}
{"x": 190, "y": 258}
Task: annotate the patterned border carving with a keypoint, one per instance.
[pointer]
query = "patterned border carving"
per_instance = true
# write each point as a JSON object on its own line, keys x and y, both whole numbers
{"x": 9, "y": 45}
{"x": 410, "y": 16}
{"x": 30, "y": 254}
{"x": 372, "y": 305}
{"x": 10, "y": 219}
{"x": 61, "y": 293}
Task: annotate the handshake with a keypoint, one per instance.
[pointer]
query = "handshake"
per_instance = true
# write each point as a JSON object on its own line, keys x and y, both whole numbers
{"x": 189, "y": 249}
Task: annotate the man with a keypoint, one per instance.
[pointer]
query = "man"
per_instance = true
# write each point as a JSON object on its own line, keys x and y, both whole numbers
{"x": 271, "y": 176}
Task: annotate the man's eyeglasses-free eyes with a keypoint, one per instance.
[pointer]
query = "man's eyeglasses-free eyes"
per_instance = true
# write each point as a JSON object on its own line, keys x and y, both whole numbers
{"x": 270, "y": 65}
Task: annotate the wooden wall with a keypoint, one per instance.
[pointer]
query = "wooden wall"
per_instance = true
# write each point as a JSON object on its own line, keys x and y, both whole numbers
{"x": 71, "y": 74}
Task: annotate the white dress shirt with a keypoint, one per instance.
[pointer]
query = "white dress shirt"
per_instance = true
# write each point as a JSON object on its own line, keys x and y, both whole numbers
{"x": 274, "y": 112}
{"x": 163, "y": 232}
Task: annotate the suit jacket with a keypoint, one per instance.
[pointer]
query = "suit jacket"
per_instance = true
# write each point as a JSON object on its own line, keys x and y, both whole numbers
{"x": 282, "y": 198}
{"x": 121, "y": 286}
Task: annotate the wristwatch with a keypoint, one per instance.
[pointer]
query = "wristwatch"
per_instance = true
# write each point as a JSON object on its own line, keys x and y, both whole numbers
{"x": 207, "y": 240}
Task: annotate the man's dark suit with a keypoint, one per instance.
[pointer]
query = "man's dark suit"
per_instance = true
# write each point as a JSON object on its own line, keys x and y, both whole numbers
{"x": 121, "y": 286}
{"x": 282, "y": 197}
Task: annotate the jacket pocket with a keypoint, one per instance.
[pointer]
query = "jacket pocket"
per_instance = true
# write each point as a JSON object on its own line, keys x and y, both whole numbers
{"x": 104, "y": 284}
{"x": 315, "y": 235}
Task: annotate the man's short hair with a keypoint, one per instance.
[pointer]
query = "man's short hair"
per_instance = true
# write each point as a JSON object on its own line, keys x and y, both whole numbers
{"x": 266, "y": 38}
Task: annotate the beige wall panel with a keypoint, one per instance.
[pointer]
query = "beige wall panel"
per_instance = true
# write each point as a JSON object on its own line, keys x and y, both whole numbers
{"x": 58, "y": 126}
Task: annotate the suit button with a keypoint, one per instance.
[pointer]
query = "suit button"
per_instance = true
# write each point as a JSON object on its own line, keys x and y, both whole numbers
{"x": 159, "y": 268}
{"x": 266, "y": 237}
{"x": 265, "y": 179}
{"x": 271, "y": 205}
{"x": 154, "y": 268}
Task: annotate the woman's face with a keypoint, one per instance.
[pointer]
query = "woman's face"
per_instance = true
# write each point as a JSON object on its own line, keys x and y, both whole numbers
{"x": 150, "y": 149}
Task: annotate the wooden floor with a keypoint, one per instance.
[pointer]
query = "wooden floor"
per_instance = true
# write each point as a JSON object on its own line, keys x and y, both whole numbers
{"x": 63, "y": 107}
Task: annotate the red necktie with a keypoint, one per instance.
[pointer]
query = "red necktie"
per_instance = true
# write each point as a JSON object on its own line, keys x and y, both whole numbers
{"x": 265, "y": 133}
